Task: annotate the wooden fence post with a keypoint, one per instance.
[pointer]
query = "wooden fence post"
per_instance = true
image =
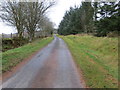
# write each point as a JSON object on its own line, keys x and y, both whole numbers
{"x": 11, "y": 36}
{"x": 2, "y": 35}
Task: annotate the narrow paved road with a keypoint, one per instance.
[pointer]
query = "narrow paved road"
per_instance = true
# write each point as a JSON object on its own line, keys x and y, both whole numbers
{"x": 52, "y": 67}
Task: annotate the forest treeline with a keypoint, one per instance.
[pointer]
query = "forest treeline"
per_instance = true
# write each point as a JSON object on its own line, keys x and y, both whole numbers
{"x": 97, "y": 18}
{"x": 27, "y": 17}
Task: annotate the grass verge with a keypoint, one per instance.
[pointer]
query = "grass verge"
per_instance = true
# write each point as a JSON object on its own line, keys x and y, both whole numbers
{"x": 12, "y": 57}
{"x": 97, "y": 57}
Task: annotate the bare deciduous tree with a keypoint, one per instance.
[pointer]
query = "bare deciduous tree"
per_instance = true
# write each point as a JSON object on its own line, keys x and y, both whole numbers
{"x": 25, "y": 15}
{"x": 36, "y": 10}
{"x": 12, "y": 14}
{"x": 46, "y": 26}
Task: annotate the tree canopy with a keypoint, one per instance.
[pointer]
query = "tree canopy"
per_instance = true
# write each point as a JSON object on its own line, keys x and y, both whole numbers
{"x": 98, "y": 18}
{"x": 26, "y": 16}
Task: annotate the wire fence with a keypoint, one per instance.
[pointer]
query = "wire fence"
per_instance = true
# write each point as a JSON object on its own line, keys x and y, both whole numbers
{"x": 8, "y": 35}
{"x": 25, "y": 35}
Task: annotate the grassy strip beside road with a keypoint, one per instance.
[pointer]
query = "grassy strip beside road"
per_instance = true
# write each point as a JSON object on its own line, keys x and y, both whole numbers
{"x": 97, "y": 57}
{"x": 12, "y": 57}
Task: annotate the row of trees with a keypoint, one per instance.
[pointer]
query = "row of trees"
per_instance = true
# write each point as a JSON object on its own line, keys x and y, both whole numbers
{"x": 98, "y": 18}
{"x": 27, "y": 16}
{"x": 109, "y": 18}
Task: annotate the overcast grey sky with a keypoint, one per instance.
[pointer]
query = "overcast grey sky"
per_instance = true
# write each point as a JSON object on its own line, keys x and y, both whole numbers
{"x": 55, "y": 14}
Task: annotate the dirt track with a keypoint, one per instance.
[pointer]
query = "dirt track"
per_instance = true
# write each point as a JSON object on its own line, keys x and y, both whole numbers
{"x": 52, "y": 67}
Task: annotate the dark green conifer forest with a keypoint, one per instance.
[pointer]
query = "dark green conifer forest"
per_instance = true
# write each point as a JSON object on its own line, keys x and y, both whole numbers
{"x": 97, "y": 18}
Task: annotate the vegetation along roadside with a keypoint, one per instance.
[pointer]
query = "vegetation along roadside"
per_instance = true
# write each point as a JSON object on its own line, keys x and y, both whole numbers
{"x": 12, "y": 57}
{"x": 97, "y": 57}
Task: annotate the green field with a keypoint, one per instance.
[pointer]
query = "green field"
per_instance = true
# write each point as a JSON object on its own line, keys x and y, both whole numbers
{"x": 12, "y": 57}
{"x": 97, "y": 58}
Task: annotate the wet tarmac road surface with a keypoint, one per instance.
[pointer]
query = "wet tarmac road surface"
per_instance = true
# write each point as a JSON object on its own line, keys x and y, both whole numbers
{"x": 52, "y": 67}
